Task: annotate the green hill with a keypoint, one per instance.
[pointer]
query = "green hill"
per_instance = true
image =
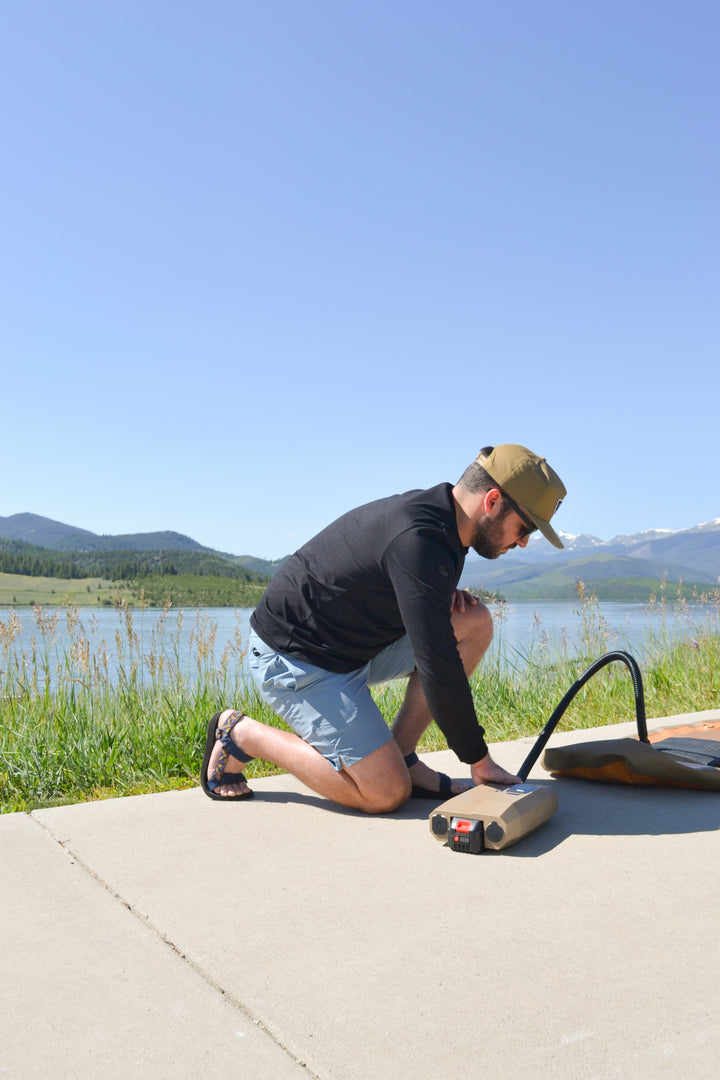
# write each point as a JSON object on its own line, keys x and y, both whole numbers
{"x": 182, "y": 577}
{"x": 608, "y": 577}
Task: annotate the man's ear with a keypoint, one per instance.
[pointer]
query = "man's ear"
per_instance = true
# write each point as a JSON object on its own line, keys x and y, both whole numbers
{"x": 492, "y": 498}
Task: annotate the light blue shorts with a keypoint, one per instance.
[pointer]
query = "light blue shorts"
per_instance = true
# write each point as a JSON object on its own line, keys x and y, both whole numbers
{"x": 334, "y": 713}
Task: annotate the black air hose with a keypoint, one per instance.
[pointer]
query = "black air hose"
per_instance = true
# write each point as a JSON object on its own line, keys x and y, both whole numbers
{"x": 608, "y": 658}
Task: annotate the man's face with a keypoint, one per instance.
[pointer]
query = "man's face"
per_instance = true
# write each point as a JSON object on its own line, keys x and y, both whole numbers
{"x": 496, "y": 535}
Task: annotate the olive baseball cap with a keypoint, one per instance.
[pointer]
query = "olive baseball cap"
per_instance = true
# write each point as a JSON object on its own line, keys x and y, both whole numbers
{"x": 529, "y": 480}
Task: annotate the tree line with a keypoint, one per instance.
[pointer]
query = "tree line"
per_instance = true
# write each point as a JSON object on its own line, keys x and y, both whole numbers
{"x": 19, "y": 557}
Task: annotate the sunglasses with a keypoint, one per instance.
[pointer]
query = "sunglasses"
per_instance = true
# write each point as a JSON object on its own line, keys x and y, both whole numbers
{"x": 530, "y": 526}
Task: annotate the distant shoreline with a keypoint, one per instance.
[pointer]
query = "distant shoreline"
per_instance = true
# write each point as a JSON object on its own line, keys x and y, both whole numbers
{"x": 198, "y": 591}
{"x": 186, "y": 590}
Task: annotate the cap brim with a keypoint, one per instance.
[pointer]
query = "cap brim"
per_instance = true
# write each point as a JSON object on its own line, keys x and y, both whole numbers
{"x": 547, "y": 530}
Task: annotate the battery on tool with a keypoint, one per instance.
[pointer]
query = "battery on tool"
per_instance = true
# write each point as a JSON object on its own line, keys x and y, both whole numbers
{"x": 466, "y": 834}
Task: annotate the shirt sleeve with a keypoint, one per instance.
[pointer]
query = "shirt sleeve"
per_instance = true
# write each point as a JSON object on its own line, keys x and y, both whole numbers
{"x": 423, "y": 569}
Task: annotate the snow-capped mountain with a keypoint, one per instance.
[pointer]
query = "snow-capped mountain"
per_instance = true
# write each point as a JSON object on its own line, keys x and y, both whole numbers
{"x": 688, "y": 555}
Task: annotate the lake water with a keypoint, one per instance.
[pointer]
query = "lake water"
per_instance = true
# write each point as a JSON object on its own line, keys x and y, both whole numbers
{"x": 213, "y": 636}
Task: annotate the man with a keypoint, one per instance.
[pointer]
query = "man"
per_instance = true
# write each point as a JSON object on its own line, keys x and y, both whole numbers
{"x": 374, "y": 597}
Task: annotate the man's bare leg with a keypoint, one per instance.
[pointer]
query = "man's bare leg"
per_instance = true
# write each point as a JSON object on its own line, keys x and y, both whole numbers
{"x": 473, "y": 627}
{"x": 377, "y": 784}
{"x": 380, "y": 782}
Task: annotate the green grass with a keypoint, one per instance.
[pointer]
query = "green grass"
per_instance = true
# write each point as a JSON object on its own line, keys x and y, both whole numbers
{"x": 181, "y": 590}
{"x": 90, "y": 737}
{"x": 196, "y": 590}
{"x": 69, "y": 731}
{"x": 640, "y": 590}
{"x": 20, "y": 589}
{"x": 515, "y": 694}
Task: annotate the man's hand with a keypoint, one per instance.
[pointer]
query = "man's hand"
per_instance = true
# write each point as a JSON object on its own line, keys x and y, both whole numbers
{"x": 463, "y": 599}
{"x": 486, "y": 771}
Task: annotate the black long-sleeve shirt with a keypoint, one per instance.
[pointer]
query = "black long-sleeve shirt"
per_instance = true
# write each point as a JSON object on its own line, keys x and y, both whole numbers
{"x": 385, "y": 569}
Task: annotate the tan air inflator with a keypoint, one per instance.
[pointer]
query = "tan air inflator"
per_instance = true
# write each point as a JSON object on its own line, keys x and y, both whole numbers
{"x": 487, "y": 818}
{"x": 490, "y": 818}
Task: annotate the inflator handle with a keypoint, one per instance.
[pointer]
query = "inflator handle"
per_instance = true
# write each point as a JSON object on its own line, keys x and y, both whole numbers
{"x": 608, "y": 658}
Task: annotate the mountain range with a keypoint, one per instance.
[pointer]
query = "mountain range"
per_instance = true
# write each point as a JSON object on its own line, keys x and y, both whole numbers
{"x": 56, "y": 536}
{"x": 626, "y": 567}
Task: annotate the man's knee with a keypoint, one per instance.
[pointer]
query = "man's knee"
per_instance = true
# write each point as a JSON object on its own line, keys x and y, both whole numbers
{"x": 382, "y": 780}
{"x": 389, "y": 798}
{"x": 475, "y": 622}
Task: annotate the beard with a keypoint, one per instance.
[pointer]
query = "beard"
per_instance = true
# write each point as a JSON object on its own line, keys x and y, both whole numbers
{"x": 489, "y": 538}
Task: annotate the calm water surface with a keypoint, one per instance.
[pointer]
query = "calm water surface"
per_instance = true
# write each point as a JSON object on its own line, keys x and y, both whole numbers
{"x": 218, "y": 636}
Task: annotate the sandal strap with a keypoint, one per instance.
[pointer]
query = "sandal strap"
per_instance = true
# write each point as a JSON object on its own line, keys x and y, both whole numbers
{"x": 236, "y": 778}
{"x": 229, "y": 749}
{"x": 235, "y": 751}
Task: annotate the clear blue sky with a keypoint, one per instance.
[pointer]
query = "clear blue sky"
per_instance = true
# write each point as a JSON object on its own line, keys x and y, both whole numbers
{"x": 262, "y": 262}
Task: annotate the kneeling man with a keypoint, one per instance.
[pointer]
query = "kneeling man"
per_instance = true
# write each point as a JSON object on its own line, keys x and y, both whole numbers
{"x": 374, "y": 597}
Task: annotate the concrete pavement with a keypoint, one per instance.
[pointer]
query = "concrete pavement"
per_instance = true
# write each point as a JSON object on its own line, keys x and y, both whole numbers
{"x": 171, "y": 936}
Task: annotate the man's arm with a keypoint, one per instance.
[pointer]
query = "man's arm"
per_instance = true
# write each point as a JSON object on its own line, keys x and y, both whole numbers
{"x": 423, "y": 572}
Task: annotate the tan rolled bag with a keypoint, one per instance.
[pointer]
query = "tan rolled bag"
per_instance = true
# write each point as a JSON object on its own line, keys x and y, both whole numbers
{"x": 682, "y": 756}
{"x": 687, "y": 756}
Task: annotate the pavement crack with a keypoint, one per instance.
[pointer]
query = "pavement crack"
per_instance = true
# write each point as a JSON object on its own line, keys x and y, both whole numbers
{"x": 147, "y": 922}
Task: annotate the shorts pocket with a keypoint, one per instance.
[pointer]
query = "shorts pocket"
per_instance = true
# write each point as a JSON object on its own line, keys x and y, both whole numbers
{"x": 278, "y": 674}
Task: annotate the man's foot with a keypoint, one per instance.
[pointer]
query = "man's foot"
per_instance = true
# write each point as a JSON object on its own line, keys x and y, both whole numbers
{"x": 221, "y": 775}
{"x": 427, "y": 782}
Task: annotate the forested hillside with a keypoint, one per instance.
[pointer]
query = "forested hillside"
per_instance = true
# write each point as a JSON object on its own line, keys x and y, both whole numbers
{"x": 17, "y": 557}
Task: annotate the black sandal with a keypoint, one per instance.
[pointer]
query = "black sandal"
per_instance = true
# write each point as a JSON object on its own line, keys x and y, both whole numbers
{"x": 216, "y": 731}
{"x": 444, "y": 792}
